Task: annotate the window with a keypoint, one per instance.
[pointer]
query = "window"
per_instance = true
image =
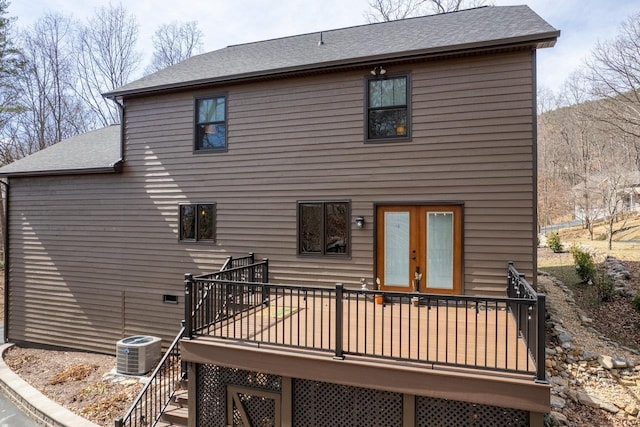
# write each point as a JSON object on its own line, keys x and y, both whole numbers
{"x": 323, "y": 228}
{"x": 197, "y": 222}
{"x": 388, "y": 108}
{"x": 211, "y": 125}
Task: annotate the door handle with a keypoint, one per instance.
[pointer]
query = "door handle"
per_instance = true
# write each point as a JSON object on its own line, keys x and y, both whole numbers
{"x": 417, "y": 276}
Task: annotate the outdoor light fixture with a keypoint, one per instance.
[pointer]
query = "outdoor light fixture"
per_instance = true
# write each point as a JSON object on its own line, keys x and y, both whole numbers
{"x": 360, "y": 221}
{"x": 378, "y": 71}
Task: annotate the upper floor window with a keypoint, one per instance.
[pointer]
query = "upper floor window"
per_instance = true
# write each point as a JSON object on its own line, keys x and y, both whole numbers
{"x": 388, "y": 108}
{"x": 211, "y": 124}
{"x": 197, "y": 222}
{"x": 323, "y": 228}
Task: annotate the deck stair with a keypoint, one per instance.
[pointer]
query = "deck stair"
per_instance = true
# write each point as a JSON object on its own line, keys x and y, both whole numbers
{"x": 177, "y": 412}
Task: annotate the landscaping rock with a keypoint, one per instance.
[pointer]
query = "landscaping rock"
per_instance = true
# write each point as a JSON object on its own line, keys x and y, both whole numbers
{"x": 606, "y": 362}
{"x": 562, "y": 382}
{"x": 558, "y": 418}
{"x": 557, "y": 402}
{"x": 628, "y": 382}
{"x": 588, "y": 400}
{"x": 597, "y": 373}
{"x": 609, "y": 407}
{"x": 619, "y": 363}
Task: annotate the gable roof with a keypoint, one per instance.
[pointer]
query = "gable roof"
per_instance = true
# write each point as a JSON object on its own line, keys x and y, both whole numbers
{"x": 92, "y": 152}
{"x": 455, "y": 32}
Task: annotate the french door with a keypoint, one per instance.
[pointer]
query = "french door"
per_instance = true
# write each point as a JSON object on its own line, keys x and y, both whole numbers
{"x": 419, "y": 248}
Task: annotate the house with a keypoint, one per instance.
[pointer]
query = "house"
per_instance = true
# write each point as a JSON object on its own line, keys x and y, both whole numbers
{"x": 606, "y": 195}
{"x": 397, "y": 158}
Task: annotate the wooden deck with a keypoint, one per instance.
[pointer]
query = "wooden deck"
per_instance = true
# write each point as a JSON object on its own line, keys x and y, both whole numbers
{"x": 476, "y": 335}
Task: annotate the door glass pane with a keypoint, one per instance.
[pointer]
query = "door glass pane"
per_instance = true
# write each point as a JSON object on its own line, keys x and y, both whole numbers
{"x": 396, "y": 249}
{"x": 440, "y": 250}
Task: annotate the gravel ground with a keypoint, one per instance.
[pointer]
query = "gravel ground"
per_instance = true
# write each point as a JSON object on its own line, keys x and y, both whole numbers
{"x": 80, "y": 381}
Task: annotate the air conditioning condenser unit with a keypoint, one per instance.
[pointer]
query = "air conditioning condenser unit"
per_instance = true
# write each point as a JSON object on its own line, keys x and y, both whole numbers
{"x": 136, "y": 355}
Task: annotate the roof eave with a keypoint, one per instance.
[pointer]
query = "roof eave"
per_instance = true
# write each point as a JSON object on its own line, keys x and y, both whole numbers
{"x": 115, "y": 168}
{"x": 542, "y": 40}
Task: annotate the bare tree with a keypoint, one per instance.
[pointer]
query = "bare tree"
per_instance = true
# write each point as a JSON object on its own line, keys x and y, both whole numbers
{"x": 614, "y": 72}
{"x": 567, "y": 143}
{"x": 390, "y": 10}
{"x": 592, "y": 143}
{"x": 554, "y": 184}
{"x": 173, "y": 43}
{"x": 10, "y": 67}
{"x": 443, "y": 6}
{"x": 616, "y": 179}
{"x": 611, "y": 191}
{"x": 47, "y": 108}
{"x": 106, "y": 59}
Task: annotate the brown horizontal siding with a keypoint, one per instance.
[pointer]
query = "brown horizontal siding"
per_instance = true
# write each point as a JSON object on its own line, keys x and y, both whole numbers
{"x": 75, "y": 238}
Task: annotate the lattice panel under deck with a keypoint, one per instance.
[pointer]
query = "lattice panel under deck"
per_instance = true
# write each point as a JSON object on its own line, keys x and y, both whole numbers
{"x": 212, "y": 382}
{"x": 432, "y": 412}
{"x": 261, "y": 411}
{"x": 325, "y": 404}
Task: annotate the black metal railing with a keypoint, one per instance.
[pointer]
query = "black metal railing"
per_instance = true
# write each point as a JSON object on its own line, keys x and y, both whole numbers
{"x": 214, "y": 297}
{"x": 489, "y": 333}
{"x": 532, "y": 321}
{"x": 230, "y": 263}
{"x": 152, "y": 400}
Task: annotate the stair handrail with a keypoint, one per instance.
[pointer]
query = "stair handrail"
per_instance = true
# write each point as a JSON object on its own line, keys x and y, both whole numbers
{"x": 149, "y": 413}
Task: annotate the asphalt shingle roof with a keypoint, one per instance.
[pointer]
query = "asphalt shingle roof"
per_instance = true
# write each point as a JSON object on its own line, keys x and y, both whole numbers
{"x": 449, "y": 32}
{"x": 96, "y": 151}
{"x": 485, "y": 27}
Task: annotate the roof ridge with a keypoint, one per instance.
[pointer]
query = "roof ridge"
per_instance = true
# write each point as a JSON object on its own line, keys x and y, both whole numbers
{"x": 436, "y": 34}
{"x": 410, "y": 18}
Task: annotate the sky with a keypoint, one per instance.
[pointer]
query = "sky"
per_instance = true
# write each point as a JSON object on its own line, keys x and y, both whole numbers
{"x": 582, "y": 22}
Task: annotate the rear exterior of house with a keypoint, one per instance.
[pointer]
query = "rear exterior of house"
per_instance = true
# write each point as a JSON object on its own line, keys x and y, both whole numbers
{"x": 404, "y": 168}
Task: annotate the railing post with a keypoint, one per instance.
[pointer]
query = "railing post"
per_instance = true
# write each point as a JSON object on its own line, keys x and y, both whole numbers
{"x": 183, "y": 364}
{"x": 519, "y": 285}
{"x": 251, "y": 258}
{"x": 510, "y": 278}
{"x": 265, "y": 279}
{"x": 188, "y": 291}
{"x": 541, "y": 376}
{"x": 339, "y": 317}
{"x": 118, "y": 422}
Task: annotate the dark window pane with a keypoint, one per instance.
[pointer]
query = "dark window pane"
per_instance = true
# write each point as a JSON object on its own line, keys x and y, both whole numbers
{"x": 205, "y": 222}
{"x": 310, "y": 228}
{"x": 211, "y": 110}
{"x": 388, "y": 92}
{"x": 187, "y": 222}
{"x": 211, "y": 129}
{"x": 387, "y": 123}
{"x": 375, "y": 93}
{"x": 400, "y": 91}
{"x": 336, "y": 225}
{"x": 212, "y": 136}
